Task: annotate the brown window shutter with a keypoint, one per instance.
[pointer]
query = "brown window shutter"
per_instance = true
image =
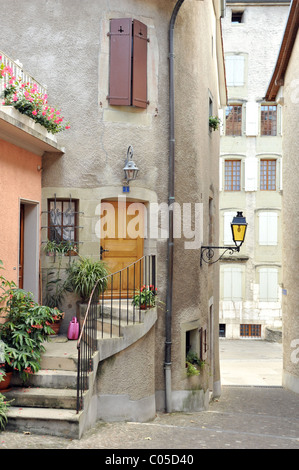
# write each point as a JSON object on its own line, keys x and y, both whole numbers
{"x": 139, "y": 92}
{"x": 120, "y": 62}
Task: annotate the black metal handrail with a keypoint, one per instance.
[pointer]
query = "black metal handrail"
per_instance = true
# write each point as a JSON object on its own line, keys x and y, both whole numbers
{"x": 113, "y": 307}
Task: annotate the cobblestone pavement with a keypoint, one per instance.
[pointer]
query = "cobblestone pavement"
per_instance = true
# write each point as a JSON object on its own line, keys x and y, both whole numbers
{"x": 244, "y": 417}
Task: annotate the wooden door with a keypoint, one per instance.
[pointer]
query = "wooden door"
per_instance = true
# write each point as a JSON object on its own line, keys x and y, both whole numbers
{"x": 122, "y": 244}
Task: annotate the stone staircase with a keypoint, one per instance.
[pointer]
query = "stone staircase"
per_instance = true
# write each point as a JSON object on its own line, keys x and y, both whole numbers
{"x": 47, "y": 405}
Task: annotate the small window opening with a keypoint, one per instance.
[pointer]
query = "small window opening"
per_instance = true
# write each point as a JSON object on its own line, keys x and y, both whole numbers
{"x": 222, "y": 332}
{"x": 237, "y": 16}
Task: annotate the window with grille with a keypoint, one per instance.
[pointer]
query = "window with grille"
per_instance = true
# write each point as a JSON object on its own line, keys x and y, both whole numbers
{"x": 62, "y": 214}
{"x": 232, "y": 175}
{"x": 268, "y": 120}
{"x": 250, "y": 330}
{"x": 268, "y": 175}
{"x": 233, "y": 121}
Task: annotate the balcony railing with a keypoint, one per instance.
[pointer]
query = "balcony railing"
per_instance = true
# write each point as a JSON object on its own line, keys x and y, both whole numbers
{"x": 107, "y": 312}
{"x": 19, "y": 73}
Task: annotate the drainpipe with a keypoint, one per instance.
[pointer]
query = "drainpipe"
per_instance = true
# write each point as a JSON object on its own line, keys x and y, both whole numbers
{"x": 167, "y": 364}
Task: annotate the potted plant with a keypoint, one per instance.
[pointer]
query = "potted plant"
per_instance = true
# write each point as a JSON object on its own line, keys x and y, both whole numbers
{"x": 27, "y": 325}
{"x": 193, "y": 364}
{"x": 57, "y": 317}
{"x": 214, "y": 122}
{"x": 83, "y": 274}
{"x": 146, "y": 297}
{"x": 5, "y": 378}
{"x": 65, "y": 247}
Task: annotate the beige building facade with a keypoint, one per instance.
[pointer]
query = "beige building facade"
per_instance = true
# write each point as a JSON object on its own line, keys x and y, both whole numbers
{"x": 251, "y": 165}
{"x": 72, "y": 54}
{"x": 283, "y": 88}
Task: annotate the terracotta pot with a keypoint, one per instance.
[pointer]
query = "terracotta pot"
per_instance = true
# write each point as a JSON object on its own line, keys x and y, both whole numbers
{"x": 4, "y": 385}
{"x": 55, "y": 327}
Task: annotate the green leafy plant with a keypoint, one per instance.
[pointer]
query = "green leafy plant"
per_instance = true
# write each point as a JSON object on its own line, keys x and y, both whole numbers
{"x": 145, "y": 297}
{"x": 191, "y": 369}
{"x": 193, "y": 364}
{"x": 4, "y": 406}
{"x": 83, "y": 274}
{"x": 56, "y": 286}
{"x": 214, "y": 122}
{"x": 63, "y": 247}
{"x": 27, "y": 325}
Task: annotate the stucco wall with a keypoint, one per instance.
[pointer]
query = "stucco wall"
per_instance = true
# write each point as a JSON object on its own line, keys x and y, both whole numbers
{"x": 20, "y": 179}
{"x": 70, "y": 55}
{"x": 291, "y": 224}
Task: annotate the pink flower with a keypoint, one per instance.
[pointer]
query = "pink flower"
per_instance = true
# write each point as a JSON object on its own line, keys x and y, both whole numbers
{"x": 34, "y": 112}
{"x": 15, "y": 98}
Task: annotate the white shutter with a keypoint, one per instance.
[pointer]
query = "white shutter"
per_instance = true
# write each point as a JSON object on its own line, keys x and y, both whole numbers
{"x": 229, "y": 66}
{"x": 236, "y": 284}
{"x": 234, "y": 65}
{"x": 263, "y": 285}
{"x": 232, "y": 283}
{"x": 252, "y": 118}
{"x": 221, "y": 165}
{"x": 227, "y": 284}
{"x": 251, "y": 169}
{"x": 227, "y": 230}
{"x": 268, "y": 228}
{"x": 268, "y": 284}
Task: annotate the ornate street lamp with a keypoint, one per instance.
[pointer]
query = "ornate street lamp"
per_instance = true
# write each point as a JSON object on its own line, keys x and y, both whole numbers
{"x": 130, "y": 168}
{"x": 238, "y": 226}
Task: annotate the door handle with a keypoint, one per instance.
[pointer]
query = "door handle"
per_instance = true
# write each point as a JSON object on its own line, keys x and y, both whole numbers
{"x": 102, "y": 251}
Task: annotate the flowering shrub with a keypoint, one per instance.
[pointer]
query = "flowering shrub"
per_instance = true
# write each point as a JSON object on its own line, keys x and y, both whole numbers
{"x": 26, "y": 327}
{"x": 27, "y": 98}
{"x": 146, "y": 296}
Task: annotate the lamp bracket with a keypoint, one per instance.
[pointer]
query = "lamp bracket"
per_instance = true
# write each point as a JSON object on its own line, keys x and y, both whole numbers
{"x": 207, "y": 253}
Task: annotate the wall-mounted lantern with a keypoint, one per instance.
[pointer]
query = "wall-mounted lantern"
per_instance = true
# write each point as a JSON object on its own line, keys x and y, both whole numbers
{"x": 238, "y": 226}
{"x": 130, "y": 168}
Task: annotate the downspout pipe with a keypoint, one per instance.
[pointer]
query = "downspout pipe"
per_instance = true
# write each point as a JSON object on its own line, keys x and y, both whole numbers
{"x": 171, "y": 200}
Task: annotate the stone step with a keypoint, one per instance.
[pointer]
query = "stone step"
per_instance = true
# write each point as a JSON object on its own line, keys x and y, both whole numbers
{"x": 49, "y": 379}
{"x": 43, "y": 397}
{"x": 45, "y": 421}
{"x": 60, "y": 354}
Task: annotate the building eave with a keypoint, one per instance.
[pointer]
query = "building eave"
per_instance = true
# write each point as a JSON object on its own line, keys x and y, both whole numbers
{"x": 20, "y": 130}
{"x": 285, "y": 52}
